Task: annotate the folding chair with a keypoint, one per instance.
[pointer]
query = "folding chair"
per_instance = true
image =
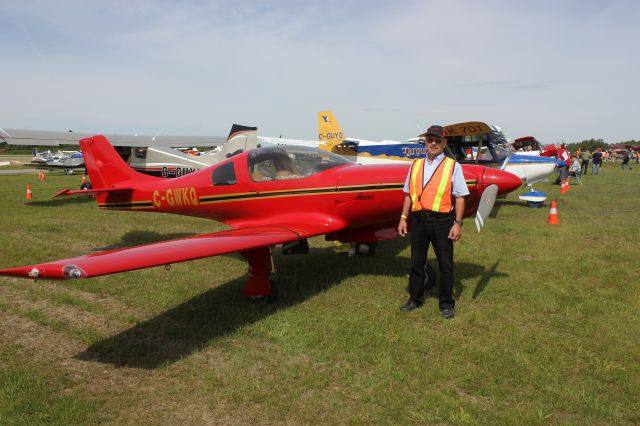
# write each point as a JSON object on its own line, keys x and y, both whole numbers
{"x": 575, "y": 173}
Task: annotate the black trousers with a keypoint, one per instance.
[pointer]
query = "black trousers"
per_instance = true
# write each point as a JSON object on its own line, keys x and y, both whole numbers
{"x": 434, "y": 230}
{"x": 584, "y": 166}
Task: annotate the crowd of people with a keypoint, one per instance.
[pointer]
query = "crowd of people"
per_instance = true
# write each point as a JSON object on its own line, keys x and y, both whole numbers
{"x": 578, "y": 163}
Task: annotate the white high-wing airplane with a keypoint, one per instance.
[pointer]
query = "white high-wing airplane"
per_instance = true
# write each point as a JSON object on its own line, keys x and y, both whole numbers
{"x": 56, "y": 138}
{"x": 153, "y": 155}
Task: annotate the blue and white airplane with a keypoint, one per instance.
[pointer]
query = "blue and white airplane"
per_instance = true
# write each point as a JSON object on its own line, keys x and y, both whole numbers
{"x": 469, "y": 142}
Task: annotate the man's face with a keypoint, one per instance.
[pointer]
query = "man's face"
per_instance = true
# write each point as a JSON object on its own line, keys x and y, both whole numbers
{"x": 435, "y": 145}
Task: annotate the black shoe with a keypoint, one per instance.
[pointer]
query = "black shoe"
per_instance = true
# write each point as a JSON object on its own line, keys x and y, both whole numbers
{"x": 410, "y": 305}
{"x": 448, "y": 313}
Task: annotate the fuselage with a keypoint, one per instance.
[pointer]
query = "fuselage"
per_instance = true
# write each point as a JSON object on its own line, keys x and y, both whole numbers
{"x": 236, "y": 191}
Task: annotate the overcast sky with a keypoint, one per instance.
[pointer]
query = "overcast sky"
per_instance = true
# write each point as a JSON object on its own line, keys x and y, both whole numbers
{"x": 559, "y": 70}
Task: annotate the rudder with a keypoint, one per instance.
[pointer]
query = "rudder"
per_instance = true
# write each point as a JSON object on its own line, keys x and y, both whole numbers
{"x": 105, "y": 167}
{"x": 330, "y": 133}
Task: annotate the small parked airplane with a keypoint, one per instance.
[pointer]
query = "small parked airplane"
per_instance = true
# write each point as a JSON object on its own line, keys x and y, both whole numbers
{"x": 152, "y": 155}
{"x": 269, "y": 196}
{"x": 478, "y": 143}
{"x": 66, "y": 160}
{"x": 170, "y": 163}
{"x": 56, "y": 138}
{"x": 468, "y": 143}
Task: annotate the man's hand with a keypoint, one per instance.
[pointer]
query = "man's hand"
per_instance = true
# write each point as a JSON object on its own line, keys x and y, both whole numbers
{"x": 455, "y": 232}
{"x": 402, "y": 227}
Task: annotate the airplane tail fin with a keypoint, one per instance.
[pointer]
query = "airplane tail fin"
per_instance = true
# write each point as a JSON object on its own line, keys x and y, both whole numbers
{"x": 105, "y": 167}
{"x": 241, "y": 138}
{"x": 330, "y": 133}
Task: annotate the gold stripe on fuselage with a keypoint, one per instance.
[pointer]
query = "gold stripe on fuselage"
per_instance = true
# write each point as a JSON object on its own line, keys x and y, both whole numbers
{"x": 297, "y": 193}
{"x": 130, "y": 205}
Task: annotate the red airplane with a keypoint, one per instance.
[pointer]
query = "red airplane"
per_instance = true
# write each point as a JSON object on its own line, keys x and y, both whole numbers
{"x": 269, "y": 196}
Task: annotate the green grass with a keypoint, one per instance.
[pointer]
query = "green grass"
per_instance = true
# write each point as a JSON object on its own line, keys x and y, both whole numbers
{"x": 28, "y": 397}
{"x": 546, "y": 332}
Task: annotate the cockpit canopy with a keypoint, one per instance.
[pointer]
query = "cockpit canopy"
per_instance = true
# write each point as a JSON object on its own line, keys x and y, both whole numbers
{"x": 479, "y": 148}
{"x": 290, "y": 162}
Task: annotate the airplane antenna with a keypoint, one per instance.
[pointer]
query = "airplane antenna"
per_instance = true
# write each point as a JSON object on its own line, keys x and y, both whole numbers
{"x": 506, "y": 161}
{"x": 157, "y": 134}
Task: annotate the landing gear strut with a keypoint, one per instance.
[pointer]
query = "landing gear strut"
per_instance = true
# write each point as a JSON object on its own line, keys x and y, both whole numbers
{"x": 262, "y": 273}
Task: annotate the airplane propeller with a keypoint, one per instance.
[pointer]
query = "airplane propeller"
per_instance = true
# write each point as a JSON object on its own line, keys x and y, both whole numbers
{"x": 485, "y": 206}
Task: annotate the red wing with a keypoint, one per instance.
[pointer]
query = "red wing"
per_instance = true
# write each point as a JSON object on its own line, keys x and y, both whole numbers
{"x": 167, "y": 252}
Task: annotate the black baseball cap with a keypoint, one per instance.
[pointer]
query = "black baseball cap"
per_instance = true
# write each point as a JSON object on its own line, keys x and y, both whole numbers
{"x": 435, "y": 130}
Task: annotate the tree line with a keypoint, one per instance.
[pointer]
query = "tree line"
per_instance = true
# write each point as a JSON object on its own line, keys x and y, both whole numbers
{"x": 592, "y": 144}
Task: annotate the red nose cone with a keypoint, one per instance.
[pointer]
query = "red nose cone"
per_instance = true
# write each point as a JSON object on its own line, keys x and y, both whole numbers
{"x": 506, "y": 181}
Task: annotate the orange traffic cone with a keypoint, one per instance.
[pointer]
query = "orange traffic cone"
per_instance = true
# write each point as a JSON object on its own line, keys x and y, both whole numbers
{"x": 566, "y": 187}
{"x": 28, "y": 195}
{"x": 563, "y": 187}
{"x": 84, "y": 179}
{"x": 553, "y": 214}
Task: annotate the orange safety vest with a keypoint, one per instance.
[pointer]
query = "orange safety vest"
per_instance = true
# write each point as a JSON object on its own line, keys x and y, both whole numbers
{"x": 436, "y": 194}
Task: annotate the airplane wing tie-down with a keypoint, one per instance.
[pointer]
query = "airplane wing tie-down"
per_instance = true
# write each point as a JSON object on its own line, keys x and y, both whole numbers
{"x": 168, "y": 252}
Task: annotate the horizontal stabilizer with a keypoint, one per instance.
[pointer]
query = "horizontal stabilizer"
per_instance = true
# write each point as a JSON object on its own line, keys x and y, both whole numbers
{"x": 81, "y": 192}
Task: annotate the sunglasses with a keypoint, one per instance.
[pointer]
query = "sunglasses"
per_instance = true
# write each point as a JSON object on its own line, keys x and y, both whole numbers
{"x": 429, "y": 140}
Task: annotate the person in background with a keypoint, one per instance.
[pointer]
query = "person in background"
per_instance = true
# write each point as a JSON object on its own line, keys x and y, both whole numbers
{"x": 585, "y": 156}
{"x": 563, "y": 161}
{"x": 625, "y": 161}
{"x": 596, "y": 161}
{"x": 575, "y": 167}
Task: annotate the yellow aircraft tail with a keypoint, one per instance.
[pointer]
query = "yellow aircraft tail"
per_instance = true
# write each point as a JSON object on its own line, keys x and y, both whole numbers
{"x": 330, "y": 133}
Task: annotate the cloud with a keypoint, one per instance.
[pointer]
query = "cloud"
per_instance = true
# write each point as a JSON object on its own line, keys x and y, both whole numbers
{"x": 196, "y": 67}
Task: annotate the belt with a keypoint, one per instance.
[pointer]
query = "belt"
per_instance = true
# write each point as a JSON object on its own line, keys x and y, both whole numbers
{"x": 429, "y": 213}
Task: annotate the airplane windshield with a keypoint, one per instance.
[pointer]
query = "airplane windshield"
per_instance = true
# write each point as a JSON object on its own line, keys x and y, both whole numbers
{"x": 290, "y": 162}
{"x": 465, "y": 150}
{"x": 526, "y": 144}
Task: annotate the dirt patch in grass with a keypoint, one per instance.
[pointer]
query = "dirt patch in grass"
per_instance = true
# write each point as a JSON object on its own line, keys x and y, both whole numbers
{"x": 70, "y": 317}
{"x": 106, "y": 302}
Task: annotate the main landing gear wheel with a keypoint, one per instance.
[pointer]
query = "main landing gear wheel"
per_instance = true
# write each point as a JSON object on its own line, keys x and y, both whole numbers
{"x": 365, "y": 249}
{"x": 270, "y": 298}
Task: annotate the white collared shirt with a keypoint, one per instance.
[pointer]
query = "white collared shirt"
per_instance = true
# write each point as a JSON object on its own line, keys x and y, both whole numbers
{"x": 458, "y": 184}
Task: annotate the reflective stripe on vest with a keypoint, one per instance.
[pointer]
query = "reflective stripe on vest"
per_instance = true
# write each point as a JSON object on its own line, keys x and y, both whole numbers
{"x": 436, "y": 194}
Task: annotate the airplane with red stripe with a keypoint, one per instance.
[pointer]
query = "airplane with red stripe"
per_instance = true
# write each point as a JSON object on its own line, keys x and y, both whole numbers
{"x": 268, "y": 196}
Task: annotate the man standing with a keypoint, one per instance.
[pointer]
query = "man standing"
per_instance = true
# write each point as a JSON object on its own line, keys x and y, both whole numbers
{"x": 586, "y": 155}
{"x": 596, "y": 161}
{"x": 435, "y": 189}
